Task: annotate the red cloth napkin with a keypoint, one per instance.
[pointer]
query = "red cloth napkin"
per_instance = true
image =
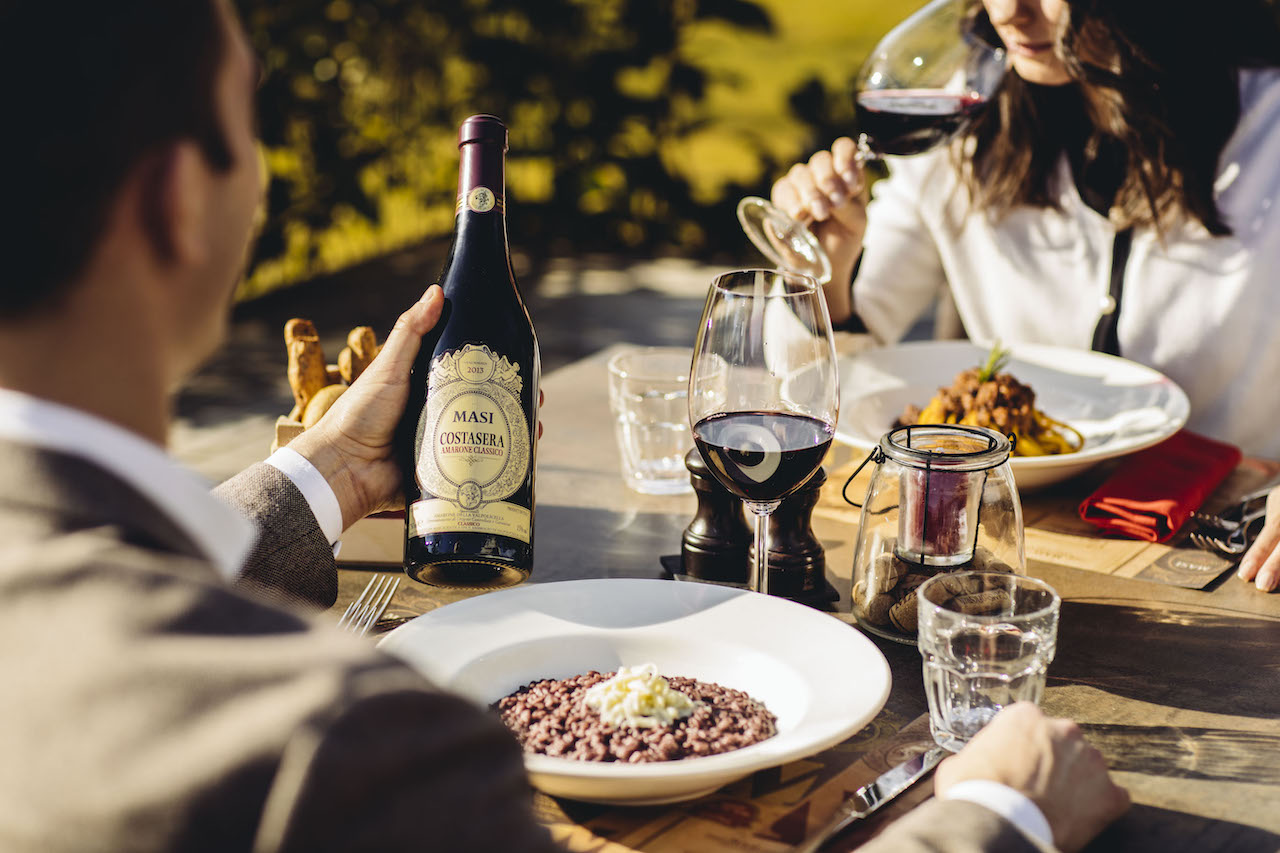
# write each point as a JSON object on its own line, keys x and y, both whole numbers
{"x": 1154, "y": 491}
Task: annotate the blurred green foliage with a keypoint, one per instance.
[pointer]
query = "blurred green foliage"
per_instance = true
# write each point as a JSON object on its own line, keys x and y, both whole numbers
{"x": 361, "y": 100}
{"x": 635, "y": 124}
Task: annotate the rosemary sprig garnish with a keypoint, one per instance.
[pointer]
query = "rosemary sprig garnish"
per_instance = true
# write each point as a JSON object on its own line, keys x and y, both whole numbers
{"x": 996, "y": 360}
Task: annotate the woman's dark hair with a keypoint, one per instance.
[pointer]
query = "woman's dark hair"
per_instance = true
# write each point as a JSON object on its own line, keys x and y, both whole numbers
{"x": 1158, "y": 84}
{"x": 92, "y": 88}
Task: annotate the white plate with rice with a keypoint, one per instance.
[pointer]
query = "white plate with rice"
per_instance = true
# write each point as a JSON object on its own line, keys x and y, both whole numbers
{"x": 822, "y": 678}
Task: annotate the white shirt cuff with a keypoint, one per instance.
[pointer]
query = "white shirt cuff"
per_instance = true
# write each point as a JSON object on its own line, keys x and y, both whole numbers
{"x": 1006, "y": 802}
{"x": 317, "y": 491}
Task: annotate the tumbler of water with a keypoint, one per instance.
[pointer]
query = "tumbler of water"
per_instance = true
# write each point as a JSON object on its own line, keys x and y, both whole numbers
{"x": 649, "y": 395}
{"x": 987, "y": 639}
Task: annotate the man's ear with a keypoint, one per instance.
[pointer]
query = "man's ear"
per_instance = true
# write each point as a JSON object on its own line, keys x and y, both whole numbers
{"x": 174, "y": 198}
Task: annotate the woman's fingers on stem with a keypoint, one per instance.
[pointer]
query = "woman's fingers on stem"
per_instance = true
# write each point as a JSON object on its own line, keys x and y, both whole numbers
{"x": 847, "y": 163}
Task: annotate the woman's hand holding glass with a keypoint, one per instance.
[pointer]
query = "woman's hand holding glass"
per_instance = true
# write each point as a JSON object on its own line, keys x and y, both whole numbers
{"x": 828, "y": 194}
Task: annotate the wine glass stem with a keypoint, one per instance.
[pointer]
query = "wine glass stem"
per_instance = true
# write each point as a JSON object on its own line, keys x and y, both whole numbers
{"x": 759, "y": 580}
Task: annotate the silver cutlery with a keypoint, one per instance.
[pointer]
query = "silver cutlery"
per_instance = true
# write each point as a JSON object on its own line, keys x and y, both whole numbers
{"x": 390, "y": 623}
{"x": 1227, "y": 525}
{"x": 1233, "y": 543}
{"x": 362, "y": 613}
{"x": 870, "y": 797}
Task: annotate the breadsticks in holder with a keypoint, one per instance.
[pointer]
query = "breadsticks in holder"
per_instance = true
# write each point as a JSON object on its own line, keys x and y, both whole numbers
{"x": 316, "y": 384}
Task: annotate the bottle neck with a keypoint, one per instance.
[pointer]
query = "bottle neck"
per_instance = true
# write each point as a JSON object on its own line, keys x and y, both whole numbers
{"x": 481, "y": 202}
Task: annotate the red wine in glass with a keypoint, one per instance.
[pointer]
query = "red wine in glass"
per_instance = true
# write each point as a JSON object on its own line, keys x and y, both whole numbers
{"x": 911, "y": 121}
{"x": 762, "y": 456}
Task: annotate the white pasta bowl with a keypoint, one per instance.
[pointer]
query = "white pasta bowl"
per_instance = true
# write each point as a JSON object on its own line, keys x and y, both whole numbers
{"x": 823, "y": 679}
{"x": 1119, "y": 406}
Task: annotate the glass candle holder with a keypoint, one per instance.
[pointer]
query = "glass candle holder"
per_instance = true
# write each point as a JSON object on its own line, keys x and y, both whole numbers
{"x": 941, "y": 498}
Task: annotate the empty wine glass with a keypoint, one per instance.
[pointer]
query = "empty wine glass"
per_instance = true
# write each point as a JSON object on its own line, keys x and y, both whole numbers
{"x": 763, "y": 391}
{"x": 919, "y": 87}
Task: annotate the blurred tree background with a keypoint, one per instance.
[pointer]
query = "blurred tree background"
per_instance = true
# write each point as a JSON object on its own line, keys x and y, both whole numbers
{"x": 635, "y": 125}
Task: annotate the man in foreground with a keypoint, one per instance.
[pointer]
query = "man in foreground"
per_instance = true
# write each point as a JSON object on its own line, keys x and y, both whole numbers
{"x": 165, "y": 689}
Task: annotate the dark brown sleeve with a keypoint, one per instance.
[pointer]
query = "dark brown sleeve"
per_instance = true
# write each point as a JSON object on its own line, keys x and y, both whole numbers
{"x": 403, "y": 771}
{"x": 292, "y": 561}
{"x": 951, "y": 826}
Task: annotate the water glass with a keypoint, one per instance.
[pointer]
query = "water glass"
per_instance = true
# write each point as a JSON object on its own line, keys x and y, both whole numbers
{"x": 649, "y": 395}
{"x": 987, "y": 639}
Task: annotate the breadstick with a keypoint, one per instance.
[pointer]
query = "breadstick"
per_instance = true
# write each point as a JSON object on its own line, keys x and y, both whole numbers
{"x": 307, "y": 371}
{"x": 320, "y": 403}
{"x": 299, "y": 328}
{"x": 363, "y": 344}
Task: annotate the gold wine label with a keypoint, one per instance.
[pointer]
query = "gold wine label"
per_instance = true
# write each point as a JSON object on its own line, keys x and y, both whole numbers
{"x": 474, "y": 446}
{"x": 499, "y": 519}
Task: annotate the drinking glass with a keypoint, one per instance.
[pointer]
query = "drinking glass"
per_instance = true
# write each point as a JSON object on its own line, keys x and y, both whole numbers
{"x": 648, "y": 393}
{"x": 986, "y": 639}
{"x": 763, "y": 391}
{"x": 920, "y": 86}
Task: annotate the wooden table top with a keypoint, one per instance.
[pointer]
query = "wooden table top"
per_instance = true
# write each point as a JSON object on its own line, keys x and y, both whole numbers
{"x": 1179, "y": 687}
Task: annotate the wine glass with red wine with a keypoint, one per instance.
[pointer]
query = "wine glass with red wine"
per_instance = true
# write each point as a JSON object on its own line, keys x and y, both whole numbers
{"x": 919, "y": 87}
{"x": 763, "y": 391}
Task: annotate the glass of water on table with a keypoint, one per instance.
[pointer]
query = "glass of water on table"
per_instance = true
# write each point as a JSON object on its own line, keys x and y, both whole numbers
{"x": 987, "y": 639}
{"x": 649, "y": 393}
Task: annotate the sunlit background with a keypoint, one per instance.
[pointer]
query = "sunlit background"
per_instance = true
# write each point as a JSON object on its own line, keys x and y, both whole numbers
{"x": 635, "y": 124}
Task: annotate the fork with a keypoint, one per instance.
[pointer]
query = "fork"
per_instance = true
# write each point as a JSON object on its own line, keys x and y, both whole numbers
{"x": 362, "y": 613}
{"x": 1235, "y": 543}
{"x": 1228, "y": 525}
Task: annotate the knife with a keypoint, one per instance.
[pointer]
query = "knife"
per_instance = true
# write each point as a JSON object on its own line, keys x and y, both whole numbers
{"x": 870, "y": 797}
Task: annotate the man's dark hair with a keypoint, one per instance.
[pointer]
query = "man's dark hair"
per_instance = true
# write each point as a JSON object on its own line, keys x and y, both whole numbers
{"x": 91, "y": 88}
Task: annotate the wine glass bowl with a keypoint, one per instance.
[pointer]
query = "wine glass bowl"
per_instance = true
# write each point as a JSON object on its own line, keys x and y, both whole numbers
{"x": 782, "y": 239}
{"x": 763, "y": 390}
{"x": 925, "y": 80}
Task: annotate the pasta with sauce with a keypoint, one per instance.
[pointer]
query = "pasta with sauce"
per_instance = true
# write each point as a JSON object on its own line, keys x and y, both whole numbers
{"x": 986, "y": 397}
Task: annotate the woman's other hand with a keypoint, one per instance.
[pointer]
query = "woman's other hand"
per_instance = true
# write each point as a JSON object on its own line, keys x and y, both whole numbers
{"x": 1261, "y": 563}
{"x": 828, "y": 194}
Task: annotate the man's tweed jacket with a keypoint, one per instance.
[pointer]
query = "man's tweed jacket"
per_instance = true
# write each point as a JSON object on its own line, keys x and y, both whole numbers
{"x": 146, "y": 705}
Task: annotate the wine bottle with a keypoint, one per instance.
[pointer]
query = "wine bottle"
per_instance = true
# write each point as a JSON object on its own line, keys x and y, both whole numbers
{"x": 471, "y": 419}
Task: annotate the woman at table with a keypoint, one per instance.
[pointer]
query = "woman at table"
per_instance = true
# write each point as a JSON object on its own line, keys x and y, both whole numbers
{"x": 1120, "y": 193}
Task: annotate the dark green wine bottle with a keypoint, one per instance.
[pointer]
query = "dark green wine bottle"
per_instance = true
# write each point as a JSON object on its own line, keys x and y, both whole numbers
{"x": 471, "y": 420}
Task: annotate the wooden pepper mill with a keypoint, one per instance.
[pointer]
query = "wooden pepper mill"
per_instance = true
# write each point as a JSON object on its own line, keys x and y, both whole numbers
{"x": 714, "y": 546}
{"x": 797, "y": 561}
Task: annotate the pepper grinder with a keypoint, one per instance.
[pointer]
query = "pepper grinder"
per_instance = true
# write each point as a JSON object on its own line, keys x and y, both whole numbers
{"x": 715, "y": 544}
{"x": 797, "y": 561}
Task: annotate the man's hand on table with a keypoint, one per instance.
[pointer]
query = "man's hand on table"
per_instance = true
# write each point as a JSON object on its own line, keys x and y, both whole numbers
{"x": 1261, "y": 563}
{"x": 1048, "y": 761}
